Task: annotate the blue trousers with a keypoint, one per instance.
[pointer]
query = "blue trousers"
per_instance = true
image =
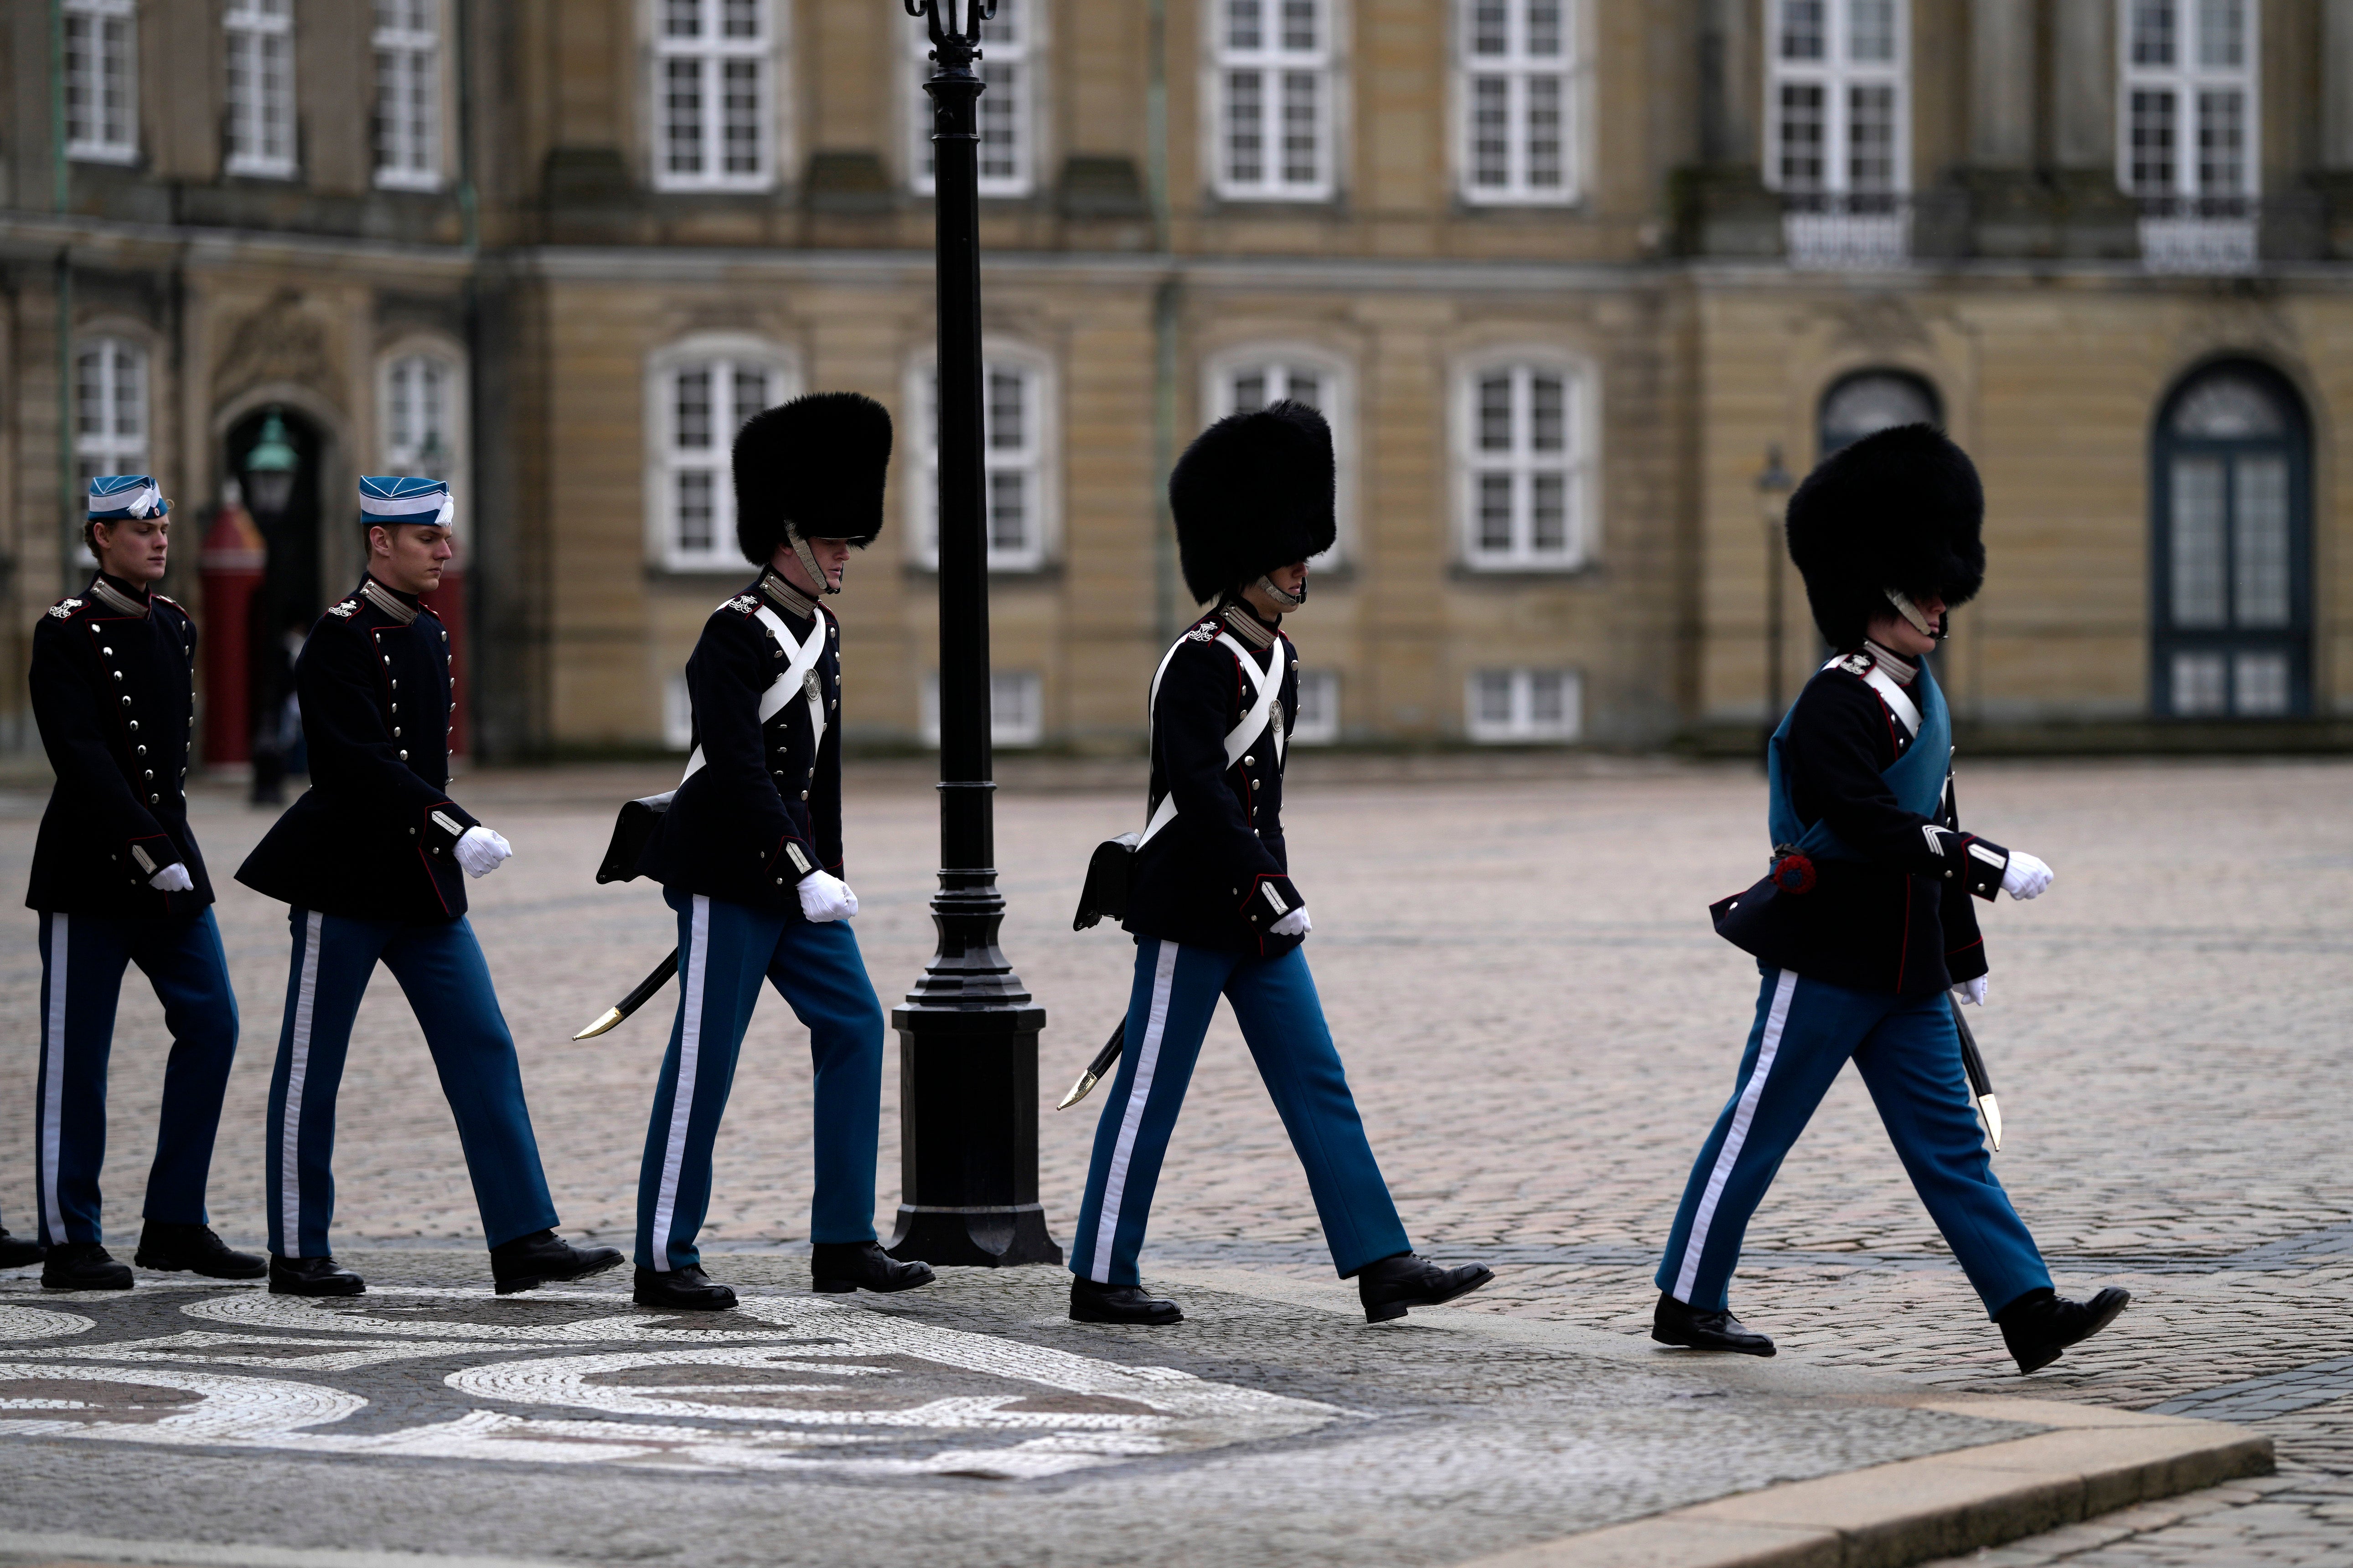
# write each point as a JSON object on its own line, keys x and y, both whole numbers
{"x": 441, "y": 972}
{"x": 1176, "y": 991}
{"x": 1910, "y": 1057}
{"x": 82, "y": 960}
{"x": 724, "y": 951}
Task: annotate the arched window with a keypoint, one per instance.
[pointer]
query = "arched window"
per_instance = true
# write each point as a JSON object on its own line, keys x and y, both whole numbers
{"x": 422, "y": 398}
{"x": 2230, "y": 548}
{"x": 110, "y": 408}
{"x": 1019, "y": 441}
{"x": 1870, "y": 401}
{"x": 1524, "y": 460}
{"x": 698, "y": 394}
{"x": 1258, "y": 374}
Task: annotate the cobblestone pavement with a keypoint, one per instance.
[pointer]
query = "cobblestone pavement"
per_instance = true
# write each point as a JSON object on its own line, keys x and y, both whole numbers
{"x": 1539, "y": 1025}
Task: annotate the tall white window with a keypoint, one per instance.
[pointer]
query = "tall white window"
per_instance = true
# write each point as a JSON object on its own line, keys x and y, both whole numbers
{"x": 1274, "y": 91}
{"x": 408, "y": 94}
{"x": 1010, "y": 57}
{"x": 1016, "y": 441}
{"x": 2188, "y": 130}
{"x": 1255, "y": 376}
{"x": 1519, "y": 101}
{"x": 1526, "y": 467}
{"x": 1524, "y": 705}
{"x": 421, "y": 398}
{"x": 1837, "y": 131}
{"x": 1317, "y": 722}
{"x": 1017, "y": 707}
{"x": 259, "y": 36}
{"x": 110, "y": 408}
{"x": 699, "y": 398}
{"x": 101, "y": 81}
{"x": 714, "y": 71}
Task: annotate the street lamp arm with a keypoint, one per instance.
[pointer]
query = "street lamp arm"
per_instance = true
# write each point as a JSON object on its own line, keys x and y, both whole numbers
{"x": 966, "y": 31}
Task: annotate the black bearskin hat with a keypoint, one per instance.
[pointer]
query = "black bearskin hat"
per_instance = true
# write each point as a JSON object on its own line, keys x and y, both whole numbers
{"x": 813, "y": 467}
{"x": 1901, "y": 509}
{"x": 1253, "y": 492}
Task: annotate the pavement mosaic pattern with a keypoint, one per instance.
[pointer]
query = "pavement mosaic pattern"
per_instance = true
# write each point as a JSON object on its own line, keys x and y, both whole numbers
{"x": 1539, "y": 1025}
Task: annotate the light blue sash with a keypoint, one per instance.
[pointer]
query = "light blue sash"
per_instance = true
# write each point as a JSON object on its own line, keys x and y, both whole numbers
{"x": 1917, "y": 777}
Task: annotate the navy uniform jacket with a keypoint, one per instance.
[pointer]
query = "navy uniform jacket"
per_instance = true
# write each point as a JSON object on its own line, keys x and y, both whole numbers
{"x": 371, "y": 838}
{"x": 1202, "y": 880}
{"x": 764, "y": 809}
{"x": 113, "y": 680}
{"x": 1900, "y": 918}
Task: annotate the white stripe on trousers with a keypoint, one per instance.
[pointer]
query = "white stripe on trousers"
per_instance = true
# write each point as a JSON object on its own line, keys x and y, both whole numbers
{"x": 1148, "y": 1058}
{"x": 53, "y": 1081}
{"x": 1743, "y": 1114}
{"x": 297, "y": 1072}
{"x": 681, "y": 1096}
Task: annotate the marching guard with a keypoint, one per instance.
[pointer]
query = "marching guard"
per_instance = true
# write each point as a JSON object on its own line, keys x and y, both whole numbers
{"x": 118, "y": 880}
{"x": 1210, "y": 900}
{"x": 369, "y": 861}
{"x": 1863, "y": 928}
{"x": 748, "y": 852}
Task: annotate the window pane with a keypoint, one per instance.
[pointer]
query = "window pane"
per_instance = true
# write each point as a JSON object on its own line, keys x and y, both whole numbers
{"x": 1802, "y": 31}
{"x": 1245, "y": 24}
{"x": 1301, "y": 134}
{"x": 1871, "y": 138}
{"x": 1491, "y": 130}
{"x": 1496, "y": 414}
{"x": 1304, "y": 386}
{"x": 1549, "y": 428}
{"x": 682, "y": 18}
{"x": 2259, "y": 683}
{"x": 2221, "y": 33}
{"x": 2198, "y": 683}
{"x": 1299, "y": 28}
{"x": 1490, "y": 32}
{"x": 2152, "y": 144}
{"x": 129, "y": 422}
{"x": 2228, "y": 407}
{"x": 740, "y": 107}
{"x": 1548, "y": 698}
{"x": 693, "y": 409}
{"x": 1245, "y": 133}
{"x": 740, "y": 18}
{"x": 1008, "y": 411}
{"x": 2259, "y": 542}
{"x": 2198, "y": 522}
{"x": 682, "y": 115}
{"x": 2152, "y": 32}
{"x": 1495, "y": 513}
{"x": 751, "y": 394}
{"x": 1543, "y": 29}
{"x": 1250, "y": 391}
{"x": 1802, "y": 146}
{"x": 1001, "y": 114}
{"x": 1495, "y": 697}
{"x": 2222, "y": 142}
{"x": 697, "y": 521}
{"x": 90, "y": 393}
{"x": 1008, "y": 510}
{"x": 1544, "y": 133}
{"x": 1550, "y": 514}
{"x": 1870, "y": 30}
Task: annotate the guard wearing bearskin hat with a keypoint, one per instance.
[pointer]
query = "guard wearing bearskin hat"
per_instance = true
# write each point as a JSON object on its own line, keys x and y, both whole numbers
{"x": 1211, "y": 899}
{"x": 1864, "y": 927}
{"x": 749, "y": 854}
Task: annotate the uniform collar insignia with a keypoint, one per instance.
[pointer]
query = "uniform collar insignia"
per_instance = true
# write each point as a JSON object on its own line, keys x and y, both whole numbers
{"x": 1249, "y": 627}
{"x": 785, "y": 597}
{"x": 1903, "y": 670}
{"x": 103, "y": 589}
{"x": 64, "y": 608}
{"x": 400, "y": 607}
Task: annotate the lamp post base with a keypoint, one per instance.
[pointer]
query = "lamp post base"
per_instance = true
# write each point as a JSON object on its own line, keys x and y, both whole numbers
{"x": 968, "y": 1139}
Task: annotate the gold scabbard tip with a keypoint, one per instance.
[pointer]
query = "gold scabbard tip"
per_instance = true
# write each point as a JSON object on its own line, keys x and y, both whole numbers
{"x": 610, "y": 1017}
{"x": 1992, "y": 1120}
{"x": 1078, "y": 1091}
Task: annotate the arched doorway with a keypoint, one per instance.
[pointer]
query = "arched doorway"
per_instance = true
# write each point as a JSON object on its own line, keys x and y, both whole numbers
{"x": 274, "y": 453}
{"x": 1870, "y": 401}
{"x": 2230, "y": 548}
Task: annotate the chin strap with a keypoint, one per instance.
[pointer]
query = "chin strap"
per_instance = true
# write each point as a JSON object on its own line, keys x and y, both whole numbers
{"x": 808, "y": 563}
{"x": 1911, "y": 612}
{"x": 1288, "y": 601}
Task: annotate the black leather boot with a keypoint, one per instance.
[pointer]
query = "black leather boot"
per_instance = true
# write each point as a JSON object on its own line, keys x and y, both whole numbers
{"x": 312, "y": 1277}
{"x": 2040, "y": 1325}
{"x": 193, "y": 1250}
{"x": 1674, "y": 1323}
{"x": 1409, "y": 1280}
{"x": 1094, "y": 1303}
{"x": 19, "y": 1252}
{"x": 543, "y": 1258}
{"x": 835, "y": 1267}
{"x": 82, "y": 1266}
{"x": 687, "y": 1289}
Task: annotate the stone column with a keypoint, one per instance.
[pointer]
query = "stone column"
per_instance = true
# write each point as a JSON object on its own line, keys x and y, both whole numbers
{"x": 2337, "y": 86}
{"x": 2096, "y": 217}
{"x": 2001, "y": 84}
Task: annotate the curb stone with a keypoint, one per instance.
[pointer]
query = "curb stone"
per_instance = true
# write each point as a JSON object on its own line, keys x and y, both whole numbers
{"x": 22, "y": 1548}
{"x": 2091, "y": 1461}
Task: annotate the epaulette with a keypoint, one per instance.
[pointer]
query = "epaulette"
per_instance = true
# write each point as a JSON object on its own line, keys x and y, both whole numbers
{"x": 166, "y": 599}
{"x": 64, "y": 608}
{"x": 1204, "y": 631}
{"x": 1854, "y": 664}
{"x": 741, "y": 603}
{"x": 344, "y": 610}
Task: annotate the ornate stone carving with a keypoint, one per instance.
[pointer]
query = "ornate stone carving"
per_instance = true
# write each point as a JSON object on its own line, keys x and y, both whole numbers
{"x": 278, "y": 342}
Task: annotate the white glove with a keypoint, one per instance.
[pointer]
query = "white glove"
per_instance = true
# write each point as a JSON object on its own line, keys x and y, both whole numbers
{"x": 479, "y": 851}
{"x": 1971, "y": 991}
{"x": 826, "y": 897}
{"x": 2025, "y": 877}
{"x": 1295, "y": 924}
{"x": 173, "y": 879}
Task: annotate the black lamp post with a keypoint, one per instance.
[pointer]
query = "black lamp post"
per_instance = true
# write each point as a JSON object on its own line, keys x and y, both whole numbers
{"x": 1773, "y": 487}
{"x": 968, "y": 1034}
